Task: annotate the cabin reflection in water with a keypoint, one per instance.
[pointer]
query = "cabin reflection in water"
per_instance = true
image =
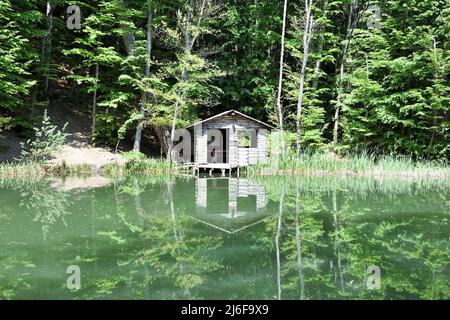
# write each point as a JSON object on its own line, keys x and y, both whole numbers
{"x": 230, "y": 204}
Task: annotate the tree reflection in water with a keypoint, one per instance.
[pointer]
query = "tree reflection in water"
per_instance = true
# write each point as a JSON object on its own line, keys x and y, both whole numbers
{"x": 282, "y": 238}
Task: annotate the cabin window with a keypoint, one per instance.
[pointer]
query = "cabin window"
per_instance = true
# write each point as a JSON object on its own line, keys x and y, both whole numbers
{"x": 247, "y": 139}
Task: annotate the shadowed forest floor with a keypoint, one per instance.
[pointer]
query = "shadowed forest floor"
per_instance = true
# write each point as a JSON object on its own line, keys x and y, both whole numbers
{"x": 78, "y": 149}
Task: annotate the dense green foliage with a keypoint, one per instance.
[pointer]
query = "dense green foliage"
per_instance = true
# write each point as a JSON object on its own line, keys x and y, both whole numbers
{"x": 159, "y": 62}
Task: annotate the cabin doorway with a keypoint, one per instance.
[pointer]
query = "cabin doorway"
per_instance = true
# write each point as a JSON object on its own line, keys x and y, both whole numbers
{"x": 225, "y": 139}
{"x": 219, "y": 152}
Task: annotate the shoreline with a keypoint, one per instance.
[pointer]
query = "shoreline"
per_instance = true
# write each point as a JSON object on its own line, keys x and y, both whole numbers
{"x": 162, "y": 168}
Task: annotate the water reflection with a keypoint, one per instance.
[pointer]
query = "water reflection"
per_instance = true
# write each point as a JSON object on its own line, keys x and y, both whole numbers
{"x": 271, "y": 238}
{"x": 230, "y": 204}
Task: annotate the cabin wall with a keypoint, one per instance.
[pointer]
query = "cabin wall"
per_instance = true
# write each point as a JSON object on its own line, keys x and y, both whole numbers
{"x": 236, "y": 156}
{"x": 201, "y": 144}
{"x": 263, "y": 146}
{"x": 233, "y": 148}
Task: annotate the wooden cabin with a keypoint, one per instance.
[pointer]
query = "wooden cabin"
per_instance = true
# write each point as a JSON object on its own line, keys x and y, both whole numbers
{"x": 243, "y": 142}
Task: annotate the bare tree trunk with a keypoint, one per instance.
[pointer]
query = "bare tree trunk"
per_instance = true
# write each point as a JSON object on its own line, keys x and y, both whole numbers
{"x": 353, "y": 18}
{"x": 280, "y": 83}
{"x": 129, "y": 42}
{"x": 307, "y": 36}
{"x": 163, "y": 134}
{"x": 257, "y": 20}
{"x": 435, "y": 121}
{"x": 46, "y": 47}
{"x": 341, "y": 74}
{"x": 189, "y": 42}
{"x": 366, "y": 107}
{"x": 339, "y": 98}
{"x": 94, "y": 101}
{"x": 144, "y": 99}
{"x": 33, "y": 101}
{"x": 315, "y": 84}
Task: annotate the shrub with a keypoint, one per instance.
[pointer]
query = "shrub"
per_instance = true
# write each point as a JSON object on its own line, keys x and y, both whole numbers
{"x": 47, "y": 140}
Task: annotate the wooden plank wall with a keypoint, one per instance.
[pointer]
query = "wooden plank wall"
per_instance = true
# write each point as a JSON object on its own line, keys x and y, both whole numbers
{"x": 236, "y": 156}
{"x": 262, "y": 145}
{"x": 201, "y": 144}
{"x": 233, "y": 155}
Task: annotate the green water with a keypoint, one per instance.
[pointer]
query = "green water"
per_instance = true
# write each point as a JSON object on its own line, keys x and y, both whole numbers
{"x": 182, "y": 238}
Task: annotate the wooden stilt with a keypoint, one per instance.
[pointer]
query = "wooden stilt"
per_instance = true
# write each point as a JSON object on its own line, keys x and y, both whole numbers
{"x": 210, "y": 172}
{"x": 223, "y": 172}
{"x": 238, "y": 172}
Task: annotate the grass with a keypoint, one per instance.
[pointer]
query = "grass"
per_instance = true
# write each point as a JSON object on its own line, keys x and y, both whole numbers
{"x": 130, "y": 168}
{"x": 309, "y": 164}
{"x": 10, "y": 170}
{"x": 360, "y": 186}
{"x": 363, "y": 164}
{"x": 140, "y": 167}
{"x": 137, "y": 163}
{"x": 36, "y": 169}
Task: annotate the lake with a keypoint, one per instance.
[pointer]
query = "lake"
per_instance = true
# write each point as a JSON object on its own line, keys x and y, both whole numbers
{"x": 222, "y": 238}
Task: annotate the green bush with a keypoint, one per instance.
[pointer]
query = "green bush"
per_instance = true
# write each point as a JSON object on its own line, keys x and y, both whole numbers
{"x": 134, "y": 161}
{"x": 47, "y": 140}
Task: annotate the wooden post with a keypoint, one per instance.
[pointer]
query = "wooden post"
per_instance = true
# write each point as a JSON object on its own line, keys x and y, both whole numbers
{"x": 223, "y": 172}
{"x": 238, "y": 171}
{"x": 210, "y": 172}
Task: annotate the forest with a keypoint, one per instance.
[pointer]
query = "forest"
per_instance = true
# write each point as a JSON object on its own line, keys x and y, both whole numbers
{"x": 351, "y": 185}
{"x": 345, "y": 76}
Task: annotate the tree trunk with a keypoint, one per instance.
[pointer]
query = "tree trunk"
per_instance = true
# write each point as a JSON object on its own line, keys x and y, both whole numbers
{"x": 280, "y": 84}
{"x": 307, "y": 36}
{"x": 366, "y": 107}
{"x": 189, "y": 42}
{"x": 341, "y": 75}
{"x": 315, "y": 84}
{"x": 163, "y": 134}
{"x": 144, "y": 99}
{"x": 436, "y": 76}
{"x": 46, "y": 48}
{"x": 94, "y": 101}
{"x": 351, "y": 24}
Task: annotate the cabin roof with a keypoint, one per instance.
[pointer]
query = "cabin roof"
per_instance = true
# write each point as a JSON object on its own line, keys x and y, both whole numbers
{"x": 235, "y": 112}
